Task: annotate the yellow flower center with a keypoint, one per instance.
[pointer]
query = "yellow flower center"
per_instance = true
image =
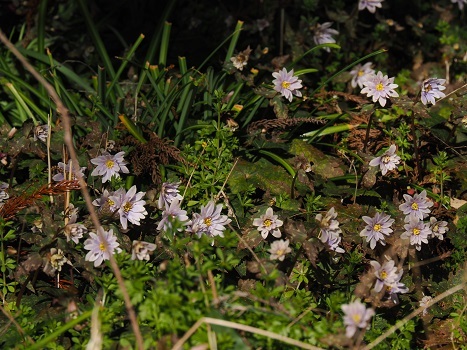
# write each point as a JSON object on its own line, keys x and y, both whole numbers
{"x": 109, "y": 164}
{"x": 127, "y": 207}
{"x": 377, "y": 227}
{"x": 102, "y": 247}
{"x": 110, "y": 202}
{"x": 208, "y": 221}
{"x": 280, "y": 252}
{"x": 435, "y": 228}
{"x": 428, "y": 87}
{"x": 360, "y": 73}
{"x": 414, "y": 206}
{"x": 416, "y": 231}
{"x": 267, "y": 222}
{"x": 385, "y": 159}
{"x": 285, "y": 84}
{"x": 384, "y": 275}
{"x": 357, "y": 318}
{"x": 379, "y": 87}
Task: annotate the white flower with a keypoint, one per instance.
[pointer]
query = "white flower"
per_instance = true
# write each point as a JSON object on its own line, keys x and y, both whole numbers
{"x": 360, "y": 73}
{"x": 380, "y": 88}
{"x": 268, "y": 223}
{"x": 323, "y": 34}
{"x": 370, "y": 5}
{"x": 431, "y": 89}
{"x": 356, "y": 315}
{"x": 286, "y": 84}
{"x": 279, "y": 249}
{"x": 387, "y": 161}
{"x": 210, "y": 221}
{"x": 141, "y": 250}
{"x": 109, "y": 165}
{"x": 241, "y": 59}
{"x": 173, "y": 213}
{"x": 101, "y": 249}
{"x": 131, "y": 207}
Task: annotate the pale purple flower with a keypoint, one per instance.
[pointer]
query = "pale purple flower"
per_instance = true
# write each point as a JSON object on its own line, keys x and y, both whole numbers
{"x": 101, "y": 246}
{"x": 74, "y": 232}
{"x": 417, "y": 232}
{"x": 210, "y": 221}
{"x": 131, "y": 207}
{"x": 461, "y": 3}
{"x": 386, "y": 274}
{"x": 360, "y": 73}
{"x": 268, "y": 223}
{"x": 387, "y": 161}
{"x": 416, "y": 207}
{"x": 41, "y": 132}
{"x": 141, "y": 250}
{"x": 286, "y": 84}
{"x": 438, "y": 228}
{"x": 169, "y": 192}
{"x": 109, "y": 165}
{"x": 64, "y": 172}
{"x": 3, "y": 194}
{"x": 376, "y": 228}
{"x": 424, "y": 302}
{"x": 173, "y": 214}
{"x": 379, "y": 87}
{"x": 431, "y": 89}
{"x": 370, "y": 5}
{"x": 279, "y": 249}
{"x": 356, "y": 315}
{"x": 329, "y": 226}
{"x": 323, "y": 34}
{"x": 395, "y": 287}
{"x": 333, "y": 243}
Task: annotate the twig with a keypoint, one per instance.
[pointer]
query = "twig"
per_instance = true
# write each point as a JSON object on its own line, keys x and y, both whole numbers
{"x": 241, "y": 327}
{"x": 68, "y": 139}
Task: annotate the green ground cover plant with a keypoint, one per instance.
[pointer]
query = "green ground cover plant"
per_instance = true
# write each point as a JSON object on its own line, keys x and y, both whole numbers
{"x": 270, "y": 175}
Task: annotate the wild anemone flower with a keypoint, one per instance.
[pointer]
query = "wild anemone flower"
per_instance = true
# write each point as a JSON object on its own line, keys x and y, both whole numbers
{"x": 376, "y": 228}
{"x": 396, "y": 287}
{"x": 109, "y": 165}
{"x": 173, "y": 214}
{"x": 74, "y": 232}
{"x": 370, "y": 5}
{"x": 279, "y": 249}
{"x": 286, "y": 84}
{"x": 131, "y": 206}
{"x": 417, "y": 232}
{"x": 385, "y": 274}
{"x": 356, "y": 315}
{"x": 329, "y": 226}
{"x": 41, "y": 132}
{"x": 424, "y": 302}
{"x": 268, "y": 223}
{"x": 64, "y": 172}
{"x": 387, "y": 161}
{"x": 3, "y": 194}
{"x": 169, "y": 192}
{"x": 333, "y": 243}
{"x": 323, "y": 34}
{"x": 438, "y": 228}
{"x": 380, "y": 88}
{"x": 141, "y": 250}
{"x": 416, "y": 207}
{"x": 431, "y": 89}
{"x": 360, "y": 73}
{"x": 210, "y": 221}
{"x": 101, "y": 249}
{"x": 241, "y": 59}
{"x": 461, "y": 3}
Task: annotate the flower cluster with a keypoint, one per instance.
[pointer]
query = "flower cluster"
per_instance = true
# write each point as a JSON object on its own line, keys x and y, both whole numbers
{"x": 388, "y": 276}
{"x": 356, "y": 315}
{"x": 416, "y": 209}
{"x": 376, "y": 228}
{"x": 329, "y": 230}
{"x": 380, "y": 87}
{"x": 109, "y": 165}
{"x": 387, "y": 161}
{"x": 286, "y": 84}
